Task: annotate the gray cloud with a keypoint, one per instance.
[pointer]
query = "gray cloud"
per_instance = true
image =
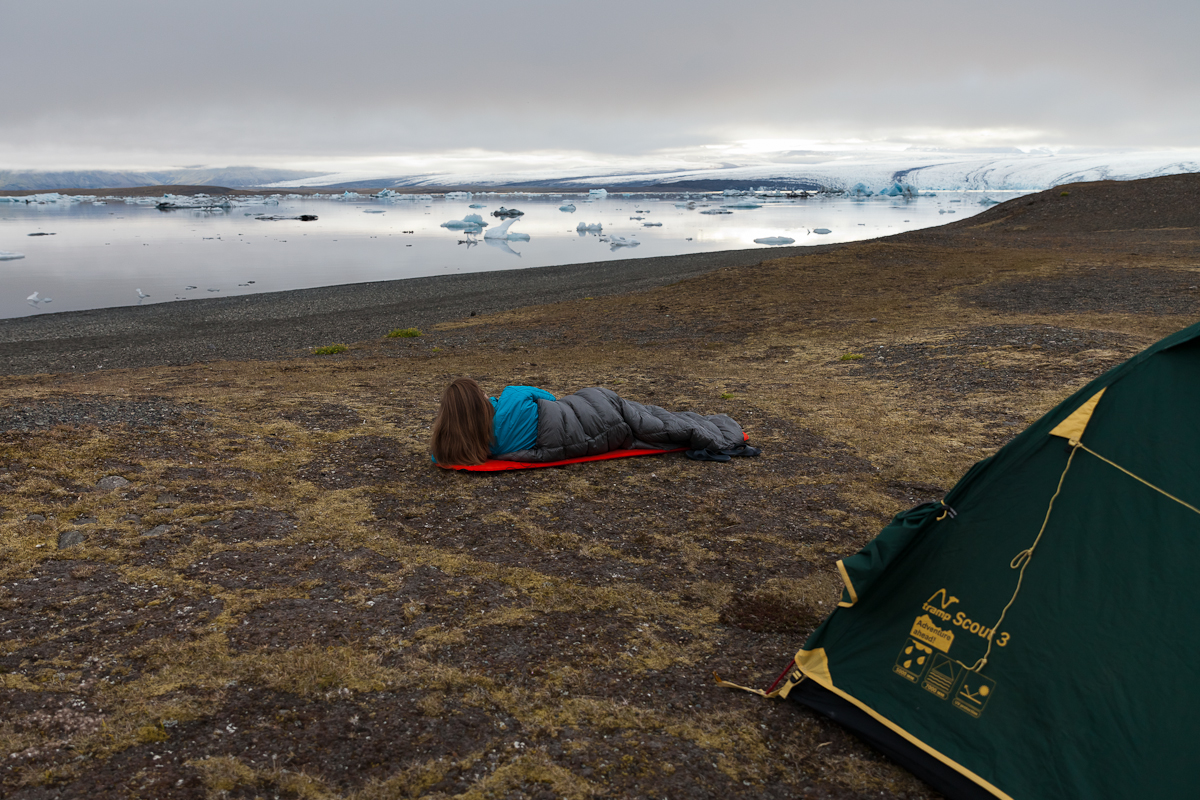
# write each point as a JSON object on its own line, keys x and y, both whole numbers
{"x": 143, "y": 84}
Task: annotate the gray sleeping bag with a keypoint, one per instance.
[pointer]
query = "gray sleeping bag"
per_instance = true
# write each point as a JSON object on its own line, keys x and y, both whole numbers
{"x": 595, "y": 421}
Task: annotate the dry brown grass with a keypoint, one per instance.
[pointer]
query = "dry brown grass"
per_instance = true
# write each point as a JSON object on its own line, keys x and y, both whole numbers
{"x": 329, "y": 616}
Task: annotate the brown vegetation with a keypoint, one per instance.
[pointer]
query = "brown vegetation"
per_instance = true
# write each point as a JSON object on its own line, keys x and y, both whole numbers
{"x": 288, "y": 600}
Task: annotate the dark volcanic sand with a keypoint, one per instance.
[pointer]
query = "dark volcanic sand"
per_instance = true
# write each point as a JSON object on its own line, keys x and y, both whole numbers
{"x": 286, "y": 324}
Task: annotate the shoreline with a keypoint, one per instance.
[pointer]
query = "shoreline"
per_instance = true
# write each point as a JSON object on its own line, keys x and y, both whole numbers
{"x": 275, "y": 325}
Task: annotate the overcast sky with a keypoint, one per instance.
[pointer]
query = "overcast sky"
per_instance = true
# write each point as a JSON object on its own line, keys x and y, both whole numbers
{"x": 322, "y": 85}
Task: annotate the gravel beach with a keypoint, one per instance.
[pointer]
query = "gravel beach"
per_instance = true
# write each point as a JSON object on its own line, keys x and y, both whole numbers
{"x": 285, "y": 324}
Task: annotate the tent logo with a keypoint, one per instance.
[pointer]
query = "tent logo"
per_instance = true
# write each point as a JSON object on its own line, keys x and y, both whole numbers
{"x": 944, "y": 602}
{"x": 923, "y": 630}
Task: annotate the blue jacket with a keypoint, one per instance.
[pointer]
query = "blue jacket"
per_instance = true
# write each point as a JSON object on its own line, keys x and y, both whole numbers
{"x": 515, "y": 424}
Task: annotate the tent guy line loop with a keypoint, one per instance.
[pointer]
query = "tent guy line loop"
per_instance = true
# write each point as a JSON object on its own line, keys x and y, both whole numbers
{"x": 1022, "y": 559}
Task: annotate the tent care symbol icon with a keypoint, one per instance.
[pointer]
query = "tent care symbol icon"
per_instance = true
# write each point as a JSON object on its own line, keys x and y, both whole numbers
{"x": 913, "y": 660}
{"x": 974, "y": 694}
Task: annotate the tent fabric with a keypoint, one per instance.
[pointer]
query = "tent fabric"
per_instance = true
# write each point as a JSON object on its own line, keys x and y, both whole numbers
{"x": 495, "y": 465}
{"x": 1032, "y": 634}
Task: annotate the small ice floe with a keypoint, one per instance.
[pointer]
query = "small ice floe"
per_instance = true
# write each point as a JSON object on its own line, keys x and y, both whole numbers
{"x": 275, "y": 218}
{"x": 472, "y": 223}
{"x": 598, "y": 192}
{"x": 39, "y": 233}
{"x": 36, "y": 301}
{"x": 5, "y": 255}
{"x": 589, "y": 227}
{"x": 821, "y": 230}
{"x": 374, "y": 211}
{"x": 188, "y": 288}
{"x": 507, "y": 212}
{"x": 987, "y": 201}
{"x": 716, "y": 211}
{"x": 689, "y": 204}
{"x": 476, "y": 205}
{"x": 568, "y": 207}
{"x": 637, "y": 218}
{"x": 502, "y": 232}
{"x": 898, "y": 189}
{"x": 775, "y": 240}
{"x": 651, "y": 224}
{"x": 743, "y": 204}
{"x": 620, "y": 241}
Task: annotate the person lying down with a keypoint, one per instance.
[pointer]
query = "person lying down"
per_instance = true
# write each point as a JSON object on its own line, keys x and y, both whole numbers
{"x": 529, "y": 424}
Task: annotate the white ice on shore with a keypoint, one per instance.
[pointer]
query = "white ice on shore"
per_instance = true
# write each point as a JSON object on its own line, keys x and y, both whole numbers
{"x": 775, "y": 240}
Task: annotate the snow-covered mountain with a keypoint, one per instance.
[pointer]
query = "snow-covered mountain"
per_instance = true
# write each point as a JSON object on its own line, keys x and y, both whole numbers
{"x": 927, "y": 170}
{"x": 229, "y": 177}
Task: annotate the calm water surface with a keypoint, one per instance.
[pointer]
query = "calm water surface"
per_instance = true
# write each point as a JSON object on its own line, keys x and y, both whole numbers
{"x": 102, "y": 255}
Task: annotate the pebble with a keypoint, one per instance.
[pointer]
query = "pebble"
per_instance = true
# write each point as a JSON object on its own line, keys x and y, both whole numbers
{"x": 110, "y": 482}
{"x": 69, "y": 539}
{"x": 35, "y": 517}
{"x": 157, "y": 530}
{"x": 84, "y": 521}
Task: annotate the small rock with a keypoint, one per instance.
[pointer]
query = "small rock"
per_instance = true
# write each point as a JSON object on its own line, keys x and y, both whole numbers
{"x": 874, "y": 319}
{"x": 110, "y": 482}
{"x": 35, "y": 518}
{"x": 158, "y": 530}
{"x": 84, "y": 521}
{"x": 129, "y": 518}
{"x": 69, "y": 539}
{"x": 168, "y": 499}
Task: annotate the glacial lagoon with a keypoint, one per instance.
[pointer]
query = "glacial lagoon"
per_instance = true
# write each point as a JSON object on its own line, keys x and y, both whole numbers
{"x": 116, "y": 253}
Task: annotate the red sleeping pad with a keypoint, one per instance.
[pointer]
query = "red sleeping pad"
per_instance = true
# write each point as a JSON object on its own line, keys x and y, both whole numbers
{"x": 492, "y": 465}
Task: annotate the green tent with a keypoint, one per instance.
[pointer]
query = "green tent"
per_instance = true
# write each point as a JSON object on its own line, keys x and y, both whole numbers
{"x": 1037, "y": 633}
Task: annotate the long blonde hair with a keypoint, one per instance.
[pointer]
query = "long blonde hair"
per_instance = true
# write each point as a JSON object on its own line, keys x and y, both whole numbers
{"x": 462, "y": 430}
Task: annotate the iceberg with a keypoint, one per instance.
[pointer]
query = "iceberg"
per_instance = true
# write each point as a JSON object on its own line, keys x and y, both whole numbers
{"x": 620, "y": 241}
{"x": 716, "y": 211}
{"x": 507, "y": 212}
{"x": 593, "y": 227}
{"x": 598, "y": 192}
{"x": 987, "y": 201}
{"x": 7, "y": 256}
{"x": 821, "y": 230}
{"x": 742, "y": 204}
{"x": 471, "y": 222}
{"x": 476, "y": 205}
{"x": 502, "y": 232}
{"x": 860, "y": 190}
{"x": 775, "y": 240}
{"x": 651, "y": 224}
{"x": 374, "y": 211}
{"x": 569, "y": 208}
{"x": 458, "y": 195}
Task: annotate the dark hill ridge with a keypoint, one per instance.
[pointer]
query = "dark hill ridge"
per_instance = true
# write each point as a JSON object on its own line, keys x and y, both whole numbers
{"x": 1170, "y": 201}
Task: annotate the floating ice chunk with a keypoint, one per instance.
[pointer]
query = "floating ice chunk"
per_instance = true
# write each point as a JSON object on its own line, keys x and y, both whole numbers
{"x": 7, "y": 256}
{"x": 821, "y": 230}
{"x": 508, "y": 212}
{"x": 775, "y": 240}
{"x": 651, "y": 224}
{"x": 477, "y": 205}
{"x": 620, "y": 241}
{"x": 374, "y": 211}
{"x": 860, "y": 190}
{"x": 471, "y": 222}
{"x": 598, "y": 192}
{"x": 716, "y": 211}
{"x": 742, "y": 204}
{"x": 458, "y": 195}
{"x": 987, "y": 201}
{"x": 502, "y": 232}
{"x": 569, "y": 208}
{"x": 589, "y": 227}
